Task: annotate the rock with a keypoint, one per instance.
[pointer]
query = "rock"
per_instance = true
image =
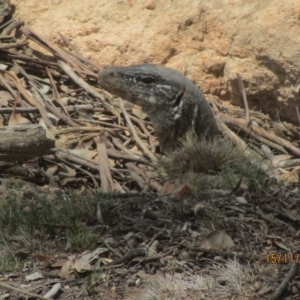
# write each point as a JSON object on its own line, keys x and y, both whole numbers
{"x": 209, "y": 41}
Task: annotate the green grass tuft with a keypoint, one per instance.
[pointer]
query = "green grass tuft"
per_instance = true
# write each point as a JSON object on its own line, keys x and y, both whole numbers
{"x": 204, "y": 164}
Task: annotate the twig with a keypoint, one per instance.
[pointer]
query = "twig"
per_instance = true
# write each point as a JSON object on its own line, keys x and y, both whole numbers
{"x": 134, "y": 134}
{"x": 242, "y": 146}
{"x": 298, "y": 116}
{"x": 139, "y": 181}
{"x": 22, "y": 292}
{"x": 128, "y": 256}
{"x": 119, "y": 145}
{"x": 107, "y": 184}
{"x": 13, "y": 45}
{"x": 84, "y": 85}
{"x": 289, "y": 163}
{"x": 290, "y": 276}
{"x": 242, "y": 90}
{"x": 55, "y": 92}
{"x": 152, "y": 183}
{"x": 261, "y": 133}
{"x": 76, "y": 53}
{"x": 76, "y": 167}
{"x": 112, "y": 249}
{"x": 12, "y": 26}
{"x": 65, "y": 118}
{"x": 32, "y": 100}
{"x": 8, "y": 110}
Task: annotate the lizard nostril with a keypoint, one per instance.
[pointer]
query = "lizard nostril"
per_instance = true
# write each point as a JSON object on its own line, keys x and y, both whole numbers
{"x": 112, "y": 74}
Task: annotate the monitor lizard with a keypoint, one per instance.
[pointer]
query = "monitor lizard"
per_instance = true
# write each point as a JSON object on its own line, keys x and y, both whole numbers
{"x": 173, "y": 103}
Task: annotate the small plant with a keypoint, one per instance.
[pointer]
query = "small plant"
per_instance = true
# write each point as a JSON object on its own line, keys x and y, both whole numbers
{"x": 30, "y": 221}
{"x": 200, "y": 155}
{"x": 8, "y": 261}
{"x": 82, "y": 238}
{"x": 202, "y": 164}
{"x": 228, "y": 280}
{"x": 92, "y": 282}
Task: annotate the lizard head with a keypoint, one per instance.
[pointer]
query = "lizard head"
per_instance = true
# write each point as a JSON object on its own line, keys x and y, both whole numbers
{"x": 158, "y": 90}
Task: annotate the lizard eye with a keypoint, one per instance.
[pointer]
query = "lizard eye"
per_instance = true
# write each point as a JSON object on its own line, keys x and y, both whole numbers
{"x": 148, "y": 79}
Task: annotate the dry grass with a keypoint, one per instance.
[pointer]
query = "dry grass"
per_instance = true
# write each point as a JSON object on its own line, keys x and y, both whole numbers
{"x": 202, "y": 164}
{"x": 200, "y": 155}
{"x": 227, "y": 281}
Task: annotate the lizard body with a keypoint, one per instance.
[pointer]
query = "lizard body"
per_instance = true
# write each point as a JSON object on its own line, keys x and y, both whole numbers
{"x": 172, "y": 102}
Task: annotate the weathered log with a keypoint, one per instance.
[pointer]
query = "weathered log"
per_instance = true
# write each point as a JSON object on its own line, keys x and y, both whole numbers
{"x": 26, "y": 141}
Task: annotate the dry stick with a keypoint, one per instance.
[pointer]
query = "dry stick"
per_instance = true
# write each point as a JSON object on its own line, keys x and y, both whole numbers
{"x": 37, "y": 64}
{"x": 114, "y": 153}
{"x": 30, "y": 100}
{"x": 290, "y": 276}
{"x": 55, "y": 92}
{"x": 279, "y": 212}
{"x": 289, "y": 163}
{"x": 61, "y": 55}
{"x": 66, "y": 68}
{"x": 18, "y": 85}
{"x": 42, "y": 110}
{"x": 66, "y": 154}
{"x": 100, "y": 123}
{"x": 138, "y": 180}
{"x": 12, "y": 26}
{"x": 8, "y": 110}
{"x": 3, "y": 26}
{"x": 22, "y": 292}
{"x": 65, "y": 118}
{"x": 13, "y": 45}
{"x": 141, "y": 124}
{"x": 48, "y": 46}
{"x": 112, "y": 249}
{"x": 13, "y": 93}
{"x": 269, "y": 218}
{"x": 242, "y": 146}
{"x": 249, "y": 131}
{"x": 36, "y": 103}
{"x": 298, "y": 116}
{"x": 146, "y": 131}
{"x": 119, "y": 145}
{"x": 235, "y": 110}
{"x": 134, "y": 134}
{"x": 152, "y": 183}
{"x": 128, "y": 256}
{"x": 107, "y": 184}
{"x": 96, "y": 185}
{"x": 253, "y": 156}
{"x": 265, "y": 134}
{"x": 268, "y": 153}
{"x": 76, "y": 53}
{"x": 85, "y": 86}
{"x": 242, "y": 90}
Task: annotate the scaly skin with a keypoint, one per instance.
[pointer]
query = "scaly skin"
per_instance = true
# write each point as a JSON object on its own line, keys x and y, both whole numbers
{"x": 172, "y": 102}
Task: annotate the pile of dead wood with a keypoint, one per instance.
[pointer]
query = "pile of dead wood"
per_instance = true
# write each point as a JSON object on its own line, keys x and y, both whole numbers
{"x": 65, "y": 130}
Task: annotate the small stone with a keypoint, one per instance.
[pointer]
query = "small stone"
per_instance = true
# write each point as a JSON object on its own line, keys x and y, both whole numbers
{"x": 150, "y": 5}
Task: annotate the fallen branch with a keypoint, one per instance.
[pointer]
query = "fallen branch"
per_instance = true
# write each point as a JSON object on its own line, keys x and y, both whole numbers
{"x": 22, "y": 292}
{"x": 290, "y": 276}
